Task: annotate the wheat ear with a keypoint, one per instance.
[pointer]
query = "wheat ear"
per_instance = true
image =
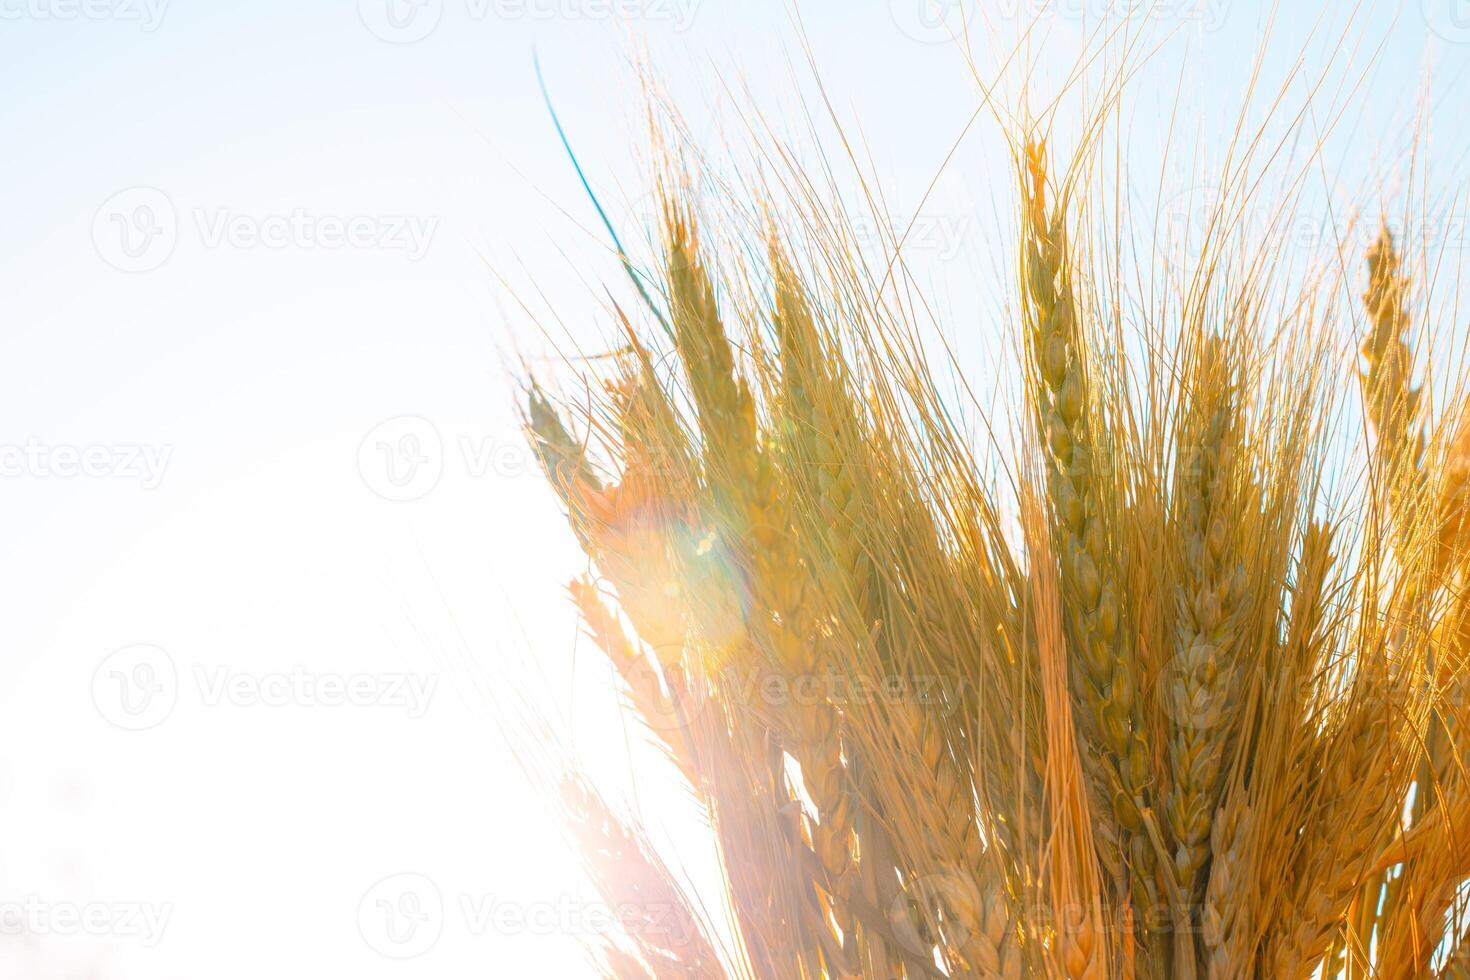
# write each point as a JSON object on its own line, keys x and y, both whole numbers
{"x": 650, "y": 905}
{"x": 1061, "y": 398}
{"x": 746, "y": 498}
{"x": 1210, "y": 604}
{"x": 1247, "y": 842}
{"x": 1391, "y": 400}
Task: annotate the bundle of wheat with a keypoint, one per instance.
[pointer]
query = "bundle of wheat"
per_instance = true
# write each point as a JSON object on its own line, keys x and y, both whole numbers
{"x": 1155, "y": 709}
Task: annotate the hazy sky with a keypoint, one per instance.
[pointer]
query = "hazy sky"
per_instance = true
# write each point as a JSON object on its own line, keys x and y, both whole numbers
{"x": 271, "y": 539}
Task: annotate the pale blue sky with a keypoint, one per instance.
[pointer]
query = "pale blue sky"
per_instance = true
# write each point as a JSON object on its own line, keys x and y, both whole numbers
{"x": 237, "y": 238}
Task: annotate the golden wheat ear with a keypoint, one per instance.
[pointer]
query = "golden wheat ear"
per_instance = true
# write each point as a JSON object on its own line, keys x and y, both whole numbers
{"x": 1389, "y": 393}
{"x": 1063, "y": 399}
